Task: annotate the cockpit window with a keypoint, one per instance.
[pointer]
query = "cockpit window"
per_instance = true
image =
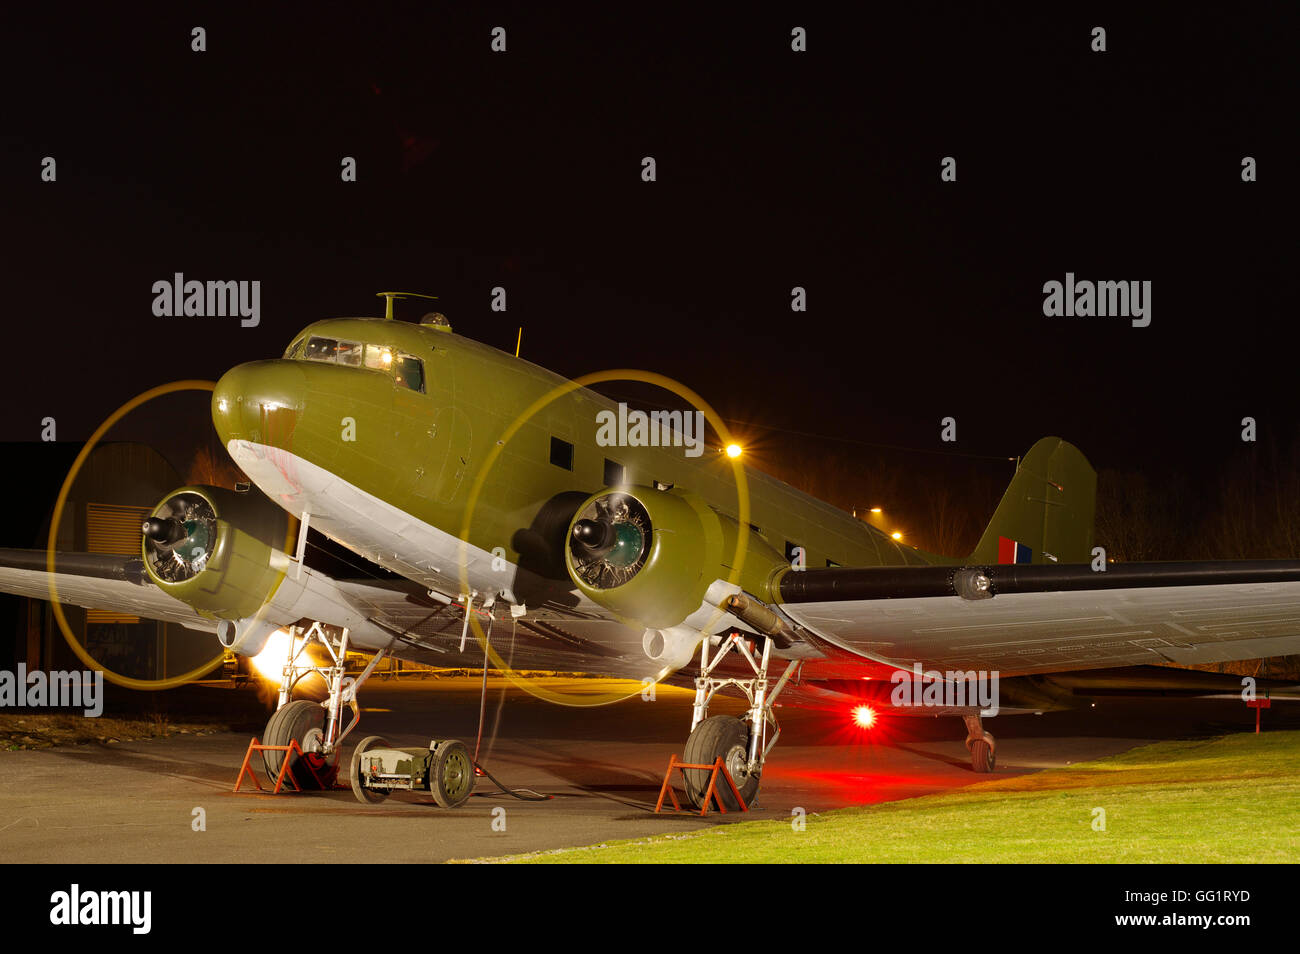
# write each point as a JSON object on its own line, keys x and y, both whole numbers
{"x": 321, "y": 349}
{"x": 294, "y": 348}
{"x": 410, "y": 372}
{"x": 379, "y": 358}
{"x": 334, "y": 351}
{"x": 349, "y": 352}
{"x": 407, "y": 370}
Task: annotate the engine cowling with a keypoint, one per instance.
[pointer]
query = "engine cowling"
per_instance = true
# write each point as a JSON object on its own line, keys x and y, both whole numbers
{"x": 223, "y": 552}
{"x": 650, "y": 555}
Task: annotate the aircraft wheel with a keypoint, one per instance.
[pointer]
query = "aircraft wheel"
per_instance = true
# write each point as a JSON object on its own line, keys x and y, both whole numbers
{"x": 301, "y": 720}
{"x": 451, "y": 774}
{"x": 725, "y": 736}
{"x": 981, "y": 756}
{"x": 368, "y": 796}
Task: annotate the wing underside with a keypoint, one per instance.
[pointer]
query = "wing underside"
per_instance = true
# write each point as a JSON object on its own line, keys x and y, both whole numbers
{"x": 95, "y": 581}
{"x": 1029, "y": 620}
{"x": 407, "y": 622}
{"x": 1049, "y": 618}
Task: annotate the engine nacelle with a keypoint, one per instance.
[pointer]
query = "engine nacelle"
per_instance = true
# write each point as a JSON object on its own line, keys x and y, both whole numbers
{"x": 649, "y": 555}
{"x": 247, "y": 637}
{"x": 220, "y": 551}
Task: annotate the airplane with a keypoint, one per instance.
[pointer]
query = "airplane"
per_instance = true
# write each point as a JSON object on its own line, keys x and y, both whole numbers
{"x": 477, "y": 478}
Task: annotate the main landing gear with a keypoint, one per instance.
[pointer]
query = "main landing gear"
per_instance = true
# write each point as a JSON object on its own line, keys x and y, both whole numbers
{"x": 982, "y": 745}
{"x": 315, "y": 726}
{"x": 445, "y": 769}
{"x": 742, "y": 743}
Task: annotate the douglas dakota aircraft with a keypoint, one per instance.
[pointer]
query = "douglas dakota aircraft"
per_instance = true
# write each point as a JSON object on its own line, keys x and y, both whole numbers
{"x": 628, "y": 561}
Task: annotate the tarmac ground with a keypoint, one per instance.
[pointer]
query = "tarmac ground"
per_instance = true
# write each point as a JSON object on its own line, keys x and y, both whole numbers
{"x": 141, "y": 801}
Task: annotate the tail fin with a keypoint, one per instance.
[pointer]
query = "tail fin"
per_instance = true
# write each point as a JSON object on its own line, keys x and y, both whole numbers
{"x": 1047, "y": 513}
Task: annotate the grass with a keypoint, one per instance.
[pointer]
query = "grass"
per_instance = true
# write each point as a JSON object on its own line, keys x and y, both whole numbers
{"x": 1232, "y": 799}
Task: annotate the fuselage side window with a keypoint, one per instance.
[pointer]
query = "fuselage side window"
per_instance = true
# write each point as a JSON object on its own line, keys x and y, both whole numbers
{"x": 410, "y": 372}
{"x": 561, "y": 453}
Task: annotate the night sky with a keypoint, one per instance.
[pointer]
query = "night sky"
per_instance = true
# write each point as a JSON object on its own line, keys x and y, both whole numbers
{"x": 775, "y": 169}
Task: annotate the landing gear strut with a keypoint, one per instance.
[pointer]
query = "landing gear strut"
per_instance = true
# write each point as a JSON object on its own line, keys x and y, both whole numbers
{"x": 741, "y": 743}
{"x": 315, "y": 726}
{"x": 982, "y": 745}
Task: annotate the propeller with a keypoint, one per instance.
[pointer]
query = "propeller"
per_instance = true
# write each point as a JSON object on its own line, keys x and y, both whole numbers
{"x": 610, "y": 541}
{"x": 180, "y": 537}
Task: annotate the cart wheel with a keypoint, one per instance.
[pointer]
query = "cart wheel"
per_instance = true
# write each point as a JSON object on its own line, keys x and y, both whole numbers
{"x": 369, "y": 796}
{"x": 451, "y": 774}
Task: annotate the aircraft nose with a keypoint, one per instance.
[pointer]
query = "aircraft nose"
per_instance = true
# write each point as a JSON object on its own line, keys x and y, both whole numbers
{"x": 259, "y": 402}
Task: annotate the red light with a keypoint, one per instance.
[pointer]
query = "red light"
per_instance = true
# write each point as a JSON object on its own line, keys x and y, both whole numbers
{"x": 864, "y": 717}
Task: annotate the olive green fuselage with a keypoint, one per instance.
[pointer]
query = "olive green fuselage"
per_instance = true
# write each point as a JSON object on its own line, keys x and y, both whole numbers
{"x": 423, "y": 452}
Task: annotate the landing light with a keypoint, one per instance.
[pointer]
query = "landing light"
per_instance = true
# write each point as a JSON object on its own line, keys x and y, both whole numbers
{"x": 734, "y": 450}
{"x": 896, "y": 535}
{"x": 269, "y": 663}
{"x": 864, "y": 717}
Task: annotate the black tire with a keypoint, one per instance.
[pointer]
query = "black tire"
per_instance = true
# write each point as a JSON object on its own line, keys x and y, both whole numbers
{"x": 724, "y": 736}
{"x": 451, "y": 774}
{"x": 982, "y": 758}
{"x": 367, "y": 796}
{"x": 292, "y": 721}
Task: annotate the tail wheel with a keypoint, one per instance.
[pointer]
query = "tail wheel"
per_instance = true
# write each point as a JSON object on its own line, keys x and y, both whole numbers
{"x": 303, "y": 721}
{"x": 451, "y": 774}
{"x": 369, "y": 796}
{"x": 724, "y": 736}
{"x": 981, "y": 756}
